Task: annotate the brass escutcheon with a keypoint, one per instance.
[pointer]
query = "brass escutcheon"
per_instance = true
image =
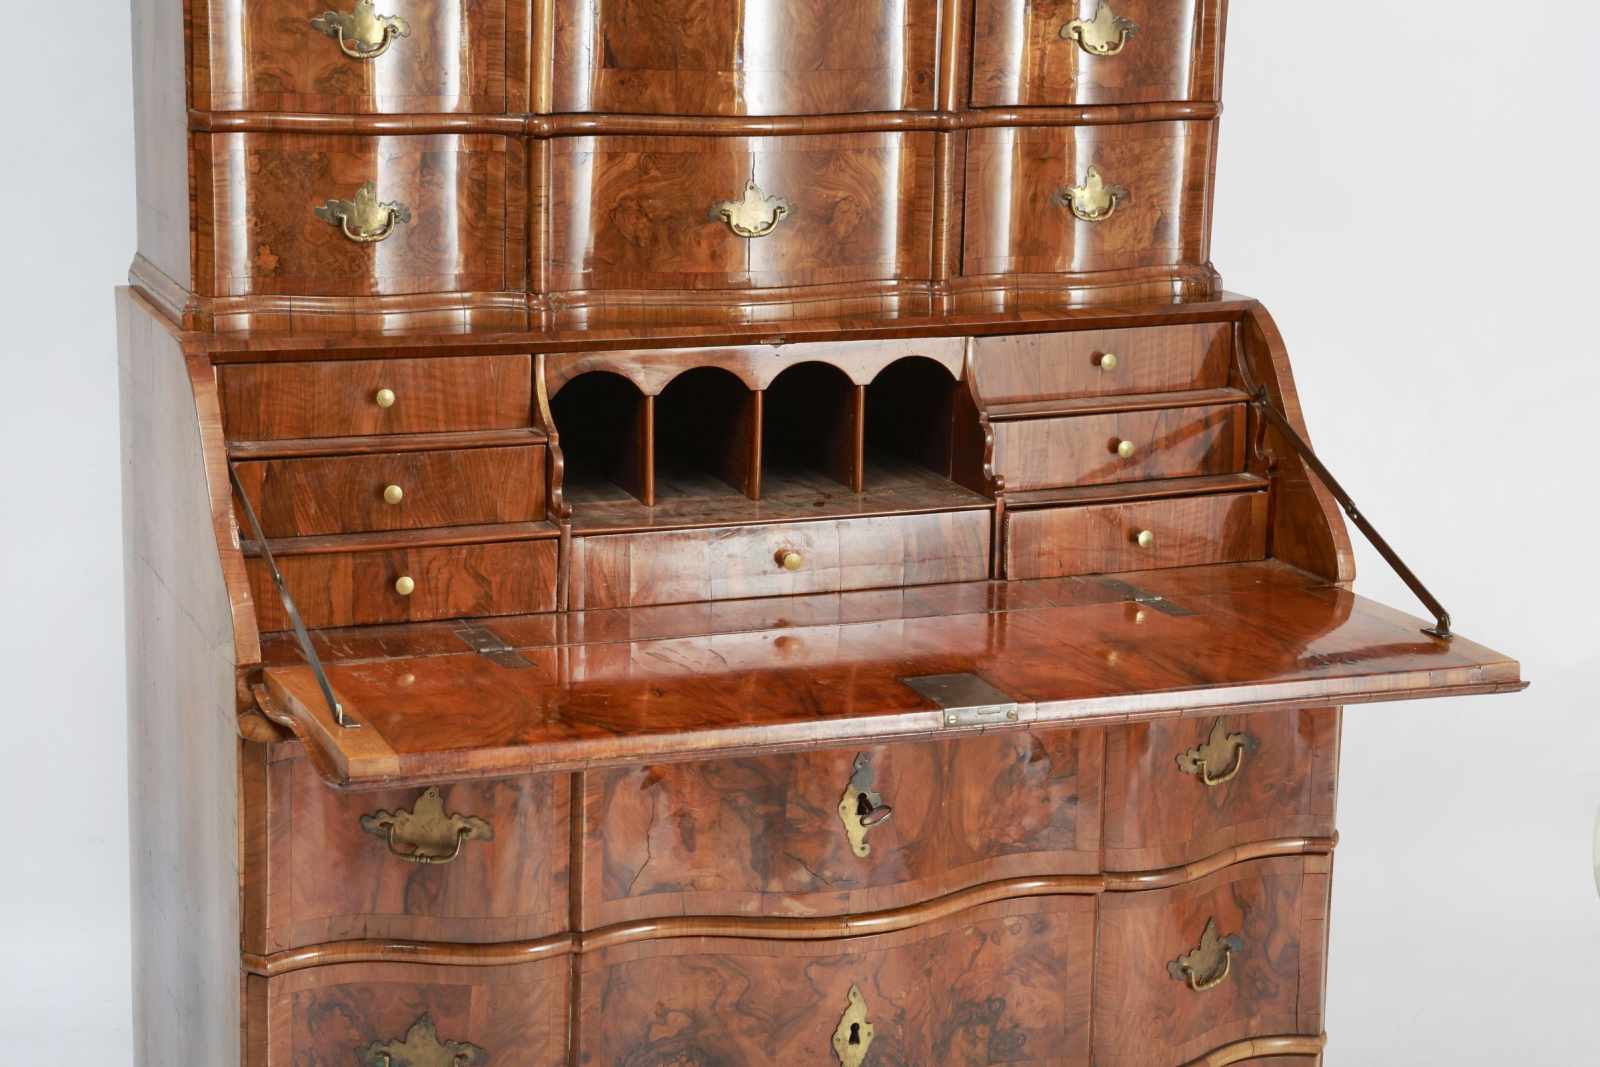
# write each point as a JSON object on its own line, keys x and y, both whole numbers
{"x": 422, "y": 1048}
{"x": 753, "y": 215}
{"x": 1094, "y": 200}
{"x": 366, "y": 219}
{"x": 1208, "y": 965}
{"x": 1221, "y": 749}
{"x": 860, "y": 809}
{"x": 853, "y": 1036}
{"x": 425, "y": 834}
{"x": 1104, "y": 35}
{"x": 362, "y": 33}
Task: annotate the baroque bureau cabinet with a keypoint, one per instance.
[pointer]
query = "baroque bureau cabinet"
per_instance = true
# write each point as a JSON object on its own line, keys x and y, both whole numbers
{"x": 699, "y": 533}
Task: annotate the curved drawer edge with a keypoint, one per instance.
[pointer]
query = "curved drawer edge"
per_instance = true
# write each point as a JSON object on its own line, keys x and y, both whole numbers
{"x": 1252, "y": 1048}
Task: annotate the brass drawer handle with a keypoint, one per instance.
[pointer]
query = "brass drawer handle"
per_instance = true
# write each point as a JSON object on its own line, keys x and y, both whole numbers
{"x": 366, "y": 219}
{"x": 422, "y": 1048}
{"x": 1104, "y": 35}
{"x": 853, "y": 1036}
{"x": 425, "y": 834}
{"x": 753, "y": 215}
{"x": 1221, "y": 749}
{"x": 789, "y": 559}
{"x": 1094, "y": 200}
{"x": 384, "y": 398}
{"x": 860, "y": 809}
{"x": 362, "y": 33}
{"x": 1208, "y": 964}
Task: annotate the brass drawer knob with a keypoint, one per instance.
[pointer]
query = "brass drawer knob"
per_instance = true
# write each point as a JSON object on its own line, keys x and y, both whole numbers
{"x": 1219, "y": 759}
{"x": 860, "y": 809}
{"x": 1145, "y": 539}
{"x": 753, "y": 215}
{"x": 1104, "y": 35}
{"x": 426, "y": 834}
{"x": 1208, "y": 964}
{"x": 366, "y": 219}
{"x": 362, "y": 33}
{"x": 405, "y": 585}
{"x": 384, "y": 398}
{"x": 1108, "y": 361}
{"x": 393, "y": 494}
{"x": 789, "y": 559}
{"x": 853, "y": 1036}
{"x": 1126, "y": 449}
{"x": 422, "y": 1048}
{"x": 1094, "y": 200}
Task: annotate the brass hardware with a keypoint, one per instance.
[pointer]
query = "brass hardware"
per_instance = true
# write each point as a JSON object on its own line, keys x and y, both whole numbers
{"x": 362, "y": 33}
{"x": 1145, "y": 539}
{"x": 860, "y": 809}
{"x": 393, "y": 494}
{"x": 1221, "y": 749}
{"x": 1104, "y": 35}
{"x": 1094, "y": 200}
{"x": 1209, "y": 964}
{"x": 422, "y": 1048}
{"x": 405, "y": 585}
{"x": 1108, "y": 361}
{"x": 366, "y": 219}
{"x": 789, "y": 559}
{"x": 965, "y": 699}
{"x": 425, "y": 834}
{"x": 753, "y": 215}
{"x": 1126, "y": 449}
{"x": 384, "y": 398}
{"x": 853, "y": 1036}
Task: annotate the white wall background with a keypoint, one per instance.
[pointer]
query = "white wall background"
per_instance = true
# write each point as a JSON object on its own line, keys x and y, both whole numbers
{"x": 1412, "y": 190}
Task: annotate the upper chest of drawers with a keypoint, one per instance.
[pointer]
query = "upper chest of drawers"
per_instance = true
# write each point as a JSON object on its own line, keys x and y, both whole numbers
{"x": 706, "y": 57}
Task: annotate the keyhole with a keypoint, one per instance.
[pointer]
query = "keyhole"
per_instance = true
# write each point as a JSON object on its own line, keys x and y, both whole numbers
{"x": 863, "y": 806}
{"x": 855, "y": 1033}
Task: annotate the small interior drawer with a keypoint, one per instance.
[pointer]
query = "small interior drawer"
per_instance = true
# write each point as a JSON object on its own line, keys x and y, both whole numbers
{"x": 1092, "y": 363}
{"x": 665, "y": 567}
{"x": 1123, "y": 446}
{"x": 359, "y": 588}
{"x": 1144, "y": 535}
{"x": 395, "y": 491}
{"x": 357, "y": 398}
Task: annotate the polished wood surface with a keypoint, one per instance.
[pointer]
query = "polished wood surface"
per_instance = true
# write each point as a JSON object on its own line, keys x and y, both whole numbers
{"x": 1084, "y": 450}
{"x": 510, "y": 887}
{"x": 723, "y": 58}
{"x": 732, "y": 1001}
{"x": 271, "y": 401}
{"x": 1107, "y": 538}
{"x": 357, "y": 587}
{"x": 1064, "y": 366}
{"x": 764, "y": 835}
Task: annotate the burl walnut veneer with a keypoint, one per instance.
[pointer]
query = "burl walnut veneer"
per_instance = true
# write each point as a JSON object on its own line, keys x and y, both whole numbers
{"x": 722, "y": 535}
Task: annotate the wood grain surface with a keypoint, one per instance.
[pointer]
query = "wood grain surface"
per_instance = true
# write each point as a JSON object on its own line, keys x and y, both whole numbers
{"x": 1031, "y": 367}
{"x": 1042, "y": 453}
{"x": 1104, "y": 538}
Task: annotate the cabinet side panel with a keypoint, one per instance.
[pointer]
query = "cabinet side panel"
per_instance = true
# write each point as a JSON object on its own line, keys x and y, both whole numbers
{"x": 161, "y": 136}
{"x": 182, "y": 744}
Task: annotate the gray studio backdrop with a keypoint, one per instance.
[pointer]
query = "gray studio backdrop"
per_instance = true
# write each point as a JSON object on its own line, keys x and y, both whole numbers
{"x": 1409, "y": 187}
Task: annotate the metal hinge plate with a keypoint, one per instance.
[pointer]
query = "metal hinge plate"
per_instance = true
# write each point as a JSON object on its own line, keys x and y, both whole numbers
{"x": 966, "y": 699}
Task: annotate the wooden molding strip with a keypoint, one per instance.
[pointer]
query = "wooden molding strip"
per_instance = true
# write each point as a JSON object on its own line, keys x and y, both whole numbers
{"x": 1254, "y": 1047}
{"x": 774, "y": 928}
{"x": 582, "y": 125}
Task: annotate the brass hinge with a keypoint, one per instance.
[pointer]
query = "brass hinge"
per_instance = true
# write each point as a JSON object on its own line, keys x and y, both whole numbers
{"x": 966, "y": 699}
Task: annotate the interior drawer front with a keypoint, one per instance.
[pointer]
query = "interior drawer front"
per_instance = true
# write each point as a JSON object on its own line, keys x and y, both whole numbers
{"x": 1018, "y": 214}
{"x": 1092, "y": 363}
{"x": 1106, "y": 538}
{"x": 807, "y": 834}
{"x": 410, "y": 1015}
{"x": 631, "y": 570}
{"x": 799, "y": 57}
{"x": 1272, "y": 916}
{"x": 409, "y": 214}
{"x": 274, "y": 401}
{"x": 471, "y": 862}
{"x": 1180, "y": 790}
{"x": 457, "y": 581}
{"x": 1127, "y": 446}
{"x": 1028, "y": 52}
{"x": 355, "y": 494}
{"x": 643, "y": 212}
{"x": 1006, "y": 982}
{"x": 396, "y": 57}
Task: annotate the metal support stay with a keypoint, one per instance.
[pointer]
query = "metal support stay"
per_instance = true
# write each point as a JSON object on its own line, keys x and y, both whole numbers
{"x": 301, "y": 636}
